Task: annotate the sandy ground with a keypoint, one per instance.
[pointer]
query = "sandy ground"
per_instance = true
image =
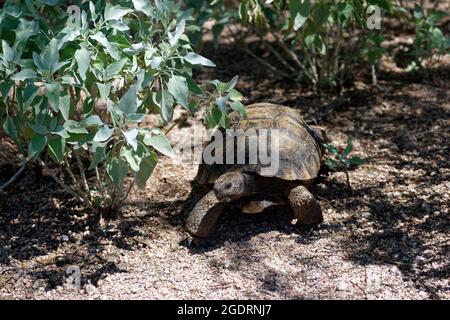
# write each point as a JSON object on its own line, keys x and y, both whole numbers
{"x": 388, "y": 238}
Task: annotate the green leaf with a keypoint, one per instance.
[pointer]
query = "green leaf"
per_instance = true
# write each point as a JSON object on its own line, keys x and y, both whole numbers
{"x": 57, "y": 148}
{"x": 178, "y": 87}
{"x": 145, "y": 170}
{"x": 213, "y": 117}
{"x": 98, "y": 152}
{"x": 64, "y": 105}
{"x": 103, "y": 134}
{"x": 52, "y": 92}
{"x": 238, "y": 107}
{"x": 128, "y": 103}
{"x": 160, "y": 143}
{"x": 330, "y": 148}
{"x": 175, "y": 36}
{"x": 194, "y": 58}
{"x": 74, "y": 127}
{"x": 143, "y": 6}
{"x": 24, "y": 74}
{"x": 91, "y": 121}
{"x": 321, "y": 13}
{"x": 117, "y": 170}
{"x": 192, "y": 85}
{"x": 60, "y": 131}
{"x": 50, "y": 56}
{"x": 114, "y": 68}
{"x": 235, "y": 95}
{"x": 83, "y": 58}
{"x": 230, "y": 85}
{"x": 104, "y": 90}
{"x": 39, "y": 129}
{"x": 24, "y": 31}
{"x": 356, "y": 160}
{"x": 110, "y": 48}
{"x": 349, "y": 147}
{"x": 222, "y": 104}
{"x": 128, "y": 155}
{"x": 165, "y": 102}
{"x": 36, "y": 145}
{"x": 10, "y": 128}
{"x": 330, "y": 163}
{"x": 299, "y": 21}
{"x": 130, "y": 137}
{"x": 135, "y": 117}
{"x": 8, "y": 52}
{"x": 115, "y": 12}
{"x": 299, "y": 10}
{"x": 5, "y": 88}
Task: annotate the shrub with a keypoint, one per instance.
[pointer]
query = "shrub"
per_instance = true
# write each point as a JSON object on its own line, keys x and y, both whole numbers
{"x": 76, "y": 84}
{"x": 321, "y": 42}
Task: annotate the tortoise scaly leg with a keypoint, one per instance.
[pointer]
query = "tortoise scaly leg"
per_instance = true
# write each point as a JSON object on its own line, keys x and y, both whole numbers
{"x": 306, "y": 208}
{"x": 203, "y": 218}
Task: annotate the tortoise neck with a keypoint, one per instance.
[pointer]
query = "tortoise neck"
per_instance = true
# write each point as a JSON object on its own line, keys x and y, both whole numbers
{"x": 250, "y": 185}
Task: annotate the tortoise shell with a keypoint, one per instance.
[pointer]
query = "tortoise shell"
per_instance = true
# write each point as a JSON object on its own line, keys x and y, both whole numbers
{"x": 300, "y": 151}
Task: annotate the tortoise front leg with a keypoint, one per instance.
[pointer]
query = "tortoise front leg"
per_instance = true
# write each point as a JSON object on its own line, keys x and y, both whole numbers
{"x": 203, "y": 218}
{"x": 305, "y": 206}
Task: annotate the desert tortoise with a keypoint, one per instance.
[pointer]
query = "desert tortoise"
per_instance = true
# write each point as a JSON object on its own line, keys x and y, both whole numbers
{"x": 250, "y": 186}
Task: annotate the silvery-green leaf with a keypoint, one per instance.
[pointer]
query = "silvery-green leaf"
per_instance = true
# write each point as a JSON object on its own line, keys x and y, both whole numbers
{"x": 117, "y": 169}
{"x": 175, "y": 36}
{"x": 91, "y": 121}
{"x": 145, "y": 170}
{"x": 127, "y": 154}
{"x": 143, "y": 6}
{"x": 135, "y": 117}
{"x": 178, "y": 87}
{"x": 24, "y": 74}
{"x": 52, "y": 92}
{"x": 103, "y": 134}
{"x": 57, "y": 148}
{"x": 160, "y": 143}
{"x": 131, "y": 136}
{"x": 83, "y": 58}
{"x": 165, "y": 102}
{"x": 98, "y": 152}
{"x": 222, "y": 103}
{"x": 114, "y": 68}
{"x": 36, "y": 145}
{"x": 194, "y": 58}
{"x": 115, "y": 12}
{"x": 128, "y": 103}
{"x": 104, "y": 90}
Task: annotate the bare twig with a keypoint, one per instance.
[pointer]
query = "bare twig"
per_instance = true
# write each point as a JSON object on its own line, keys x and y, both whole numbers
{"x": 268, "y": 65}
{"x": 83, "y": 176}
{"x": 23, "y": 165}
{"x": 278, "y": 56}
{"x": 62, "y": 184}
{"x": 294, "y": 57}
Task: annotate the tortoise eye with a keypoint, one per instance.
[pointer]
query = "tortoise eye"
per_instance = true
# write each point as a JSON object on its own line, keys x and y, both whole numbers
{"x": 228, "y": 185}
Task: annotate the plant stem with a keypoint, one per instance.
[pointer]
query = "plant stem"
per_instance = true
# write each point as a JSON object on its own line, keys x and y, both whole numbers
{"x": 63, "y": 185}
{"x": 294, "y": 57}
{"x": 83, "y": 176}
{"x": 23, "y": 165}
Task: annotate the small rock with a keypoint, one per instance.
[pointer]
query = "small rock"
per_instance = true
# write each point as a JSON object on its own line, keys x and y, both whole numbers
{"x": 366, "y": 215}
{"x": 65, "y": 238}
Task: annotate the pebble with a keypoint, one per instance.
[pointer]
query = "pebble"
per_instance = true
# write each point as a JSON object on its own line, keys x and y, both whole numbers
{"x": 65, "y": 238}
{"x": 366, "y": 215}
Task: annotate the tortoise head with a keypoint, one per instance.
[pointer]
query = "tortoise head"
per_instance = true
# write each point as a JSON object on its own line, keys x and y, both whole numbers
{"x": 233, "y": 185}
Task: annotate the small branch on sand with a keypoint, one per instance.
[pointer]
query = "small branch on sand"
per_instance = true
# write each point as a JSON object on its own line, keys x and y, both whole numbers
{"x": 23, "y": 165}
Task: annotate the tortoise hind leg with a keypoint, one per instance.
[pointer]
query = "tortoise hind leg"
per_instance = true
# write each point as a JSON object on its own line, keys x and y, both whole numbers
{"x": 203, "y": 218}
{"x": 306, "y": 208}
